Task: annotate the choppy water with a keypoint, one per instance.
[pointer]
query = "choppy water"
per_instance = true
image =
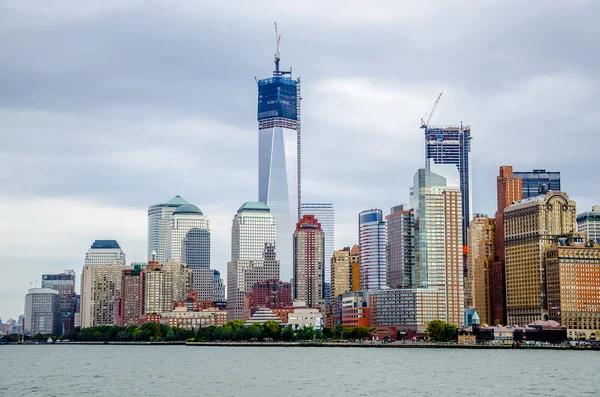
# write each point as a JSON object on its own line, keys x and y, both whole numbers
{"x": 268, "y": 371}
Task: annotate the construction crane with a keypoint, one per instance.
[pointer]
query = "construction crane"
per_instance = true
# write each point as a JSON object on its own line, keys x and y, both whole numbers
{"x": 430, "y": 112}
{"x": 277, "y": 39}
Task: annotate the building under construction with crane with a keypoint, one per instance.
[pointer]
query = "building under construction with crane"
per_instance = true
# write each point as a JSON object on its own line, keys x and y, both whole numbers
{"x": 450, "y": 144}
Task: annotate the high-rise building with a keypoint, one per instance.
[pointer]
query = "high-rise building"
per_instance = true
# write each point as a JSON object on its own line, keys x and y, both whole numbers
{"x": 355, "y": 267}
{"x": 165, "y": 284}
{"x": 324, "y": 212}
{"x": 530, "y": 227}
{"x": 253, "y": 257}
{"x": 589, "y": 223}
{"x": 509, "y": 189}
{"x": 218, "y": 287}
{"x": 538, "y": 182}
{"x": 309, "y": 245}
{"x": 572, "y": 277}
{"x": 279, "y": 157}
{"x": 452, "y": 145}
{"x": 43, "y": 312}
{"x": 159, "y": 216}
{"x": 131, "y": 302}
{"x": 372, "y": 242}
{"x": 400, "y": 247}
{"x": 341, "y": 273}
{"x": 101, "y": 287}
{"x": 104, "y": 252}
{"x": 438, "y": 241}
{"x": 64, "y": 283}
{"x": 482, "y": 231}
{"x": 271, "y": 294}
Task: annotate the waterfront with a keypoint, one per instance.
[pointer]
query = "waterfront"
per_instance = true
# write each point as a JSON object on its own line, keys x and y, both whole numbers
{"x": 70, "y": 370}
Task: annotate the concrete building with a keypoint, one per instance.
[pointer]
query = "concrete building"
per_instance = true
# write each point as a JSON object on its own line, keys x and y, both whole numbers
{"x": 218, "y": 287}
{"x": 342, "y": 272}
{"x": 355, "y": 309}
{"x": 572, "y": 266}
{"x": 43, "y": 312}
{"x": 530, "y": 227}
{"x": 589, "y": 223}
{"x": 373, "y": 255}
{"x": 101, "y": 287}
{"x": 271, "y": 294}
{"x": 538, "y": 182}
{"x": 131, "y": 303}
{"x": 482, "y": 235}
{"x": 509, "y": 189}
{"x": 400, "y": 247}
{"x": 159, "y": 216}
{"x": 279, "y": 155}
{"x": 64, "y": 283}
{"x": 309, "y": 258}
{"x": 324, "y": 212}
{"x": 261, "y": 316}
{"x": 165, "y": 284}
{"x": 104, "y": 252}
{"x": 355, "y": 266}
{"x": 192, "y": 320}
{"x": 305, "y": 317}
{"x": 253, "y": 257}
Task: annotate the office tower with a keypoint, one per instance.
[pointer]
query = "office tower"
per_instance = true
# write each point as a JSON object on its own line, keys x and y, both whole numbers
{"x": 371, "y": 239}
{"x": 589, "y": 224}
{"x": 253, "y": 257}
{"x": 538, "y": 182}
{"x": 101, "y": 286}
{"x": 400, "y": 246}
{"x": 324, "y": 212}
{"x": 355, "y": 267}
{"x": 509, "y": 189}
{"x": 104, "y": 252}
{"x": 165, "y": 284}
{"x": 272, "y": 294}
{"x": 309, "y": 246}
{"x": 530, "y": 226}
{"x": 482, "y": 232}
{"x": 279, "y": 157}
{"x": 64, "y": 283}
{"x": 341, "y": 273}
{"x": 43, "y": 312}
{"x": 572, "y": 266}
{"x": 438, "y": 241}
{"x": 159, "y": 216}
{"x": 131, "y": 302}
{"x": 452, "y": 145}
{"x": 218, "y": 287}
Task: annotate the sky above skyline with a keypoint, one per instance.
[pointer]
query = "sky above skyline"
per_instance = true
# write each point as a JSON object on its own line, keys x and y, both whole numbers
{"x": 109, "y": 108}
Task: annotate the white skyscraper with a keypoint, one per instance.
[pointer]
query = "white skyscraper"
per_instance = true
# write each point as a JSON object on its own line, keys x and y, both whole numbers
{"x": 253, "y": 256}
{"x": 373, "y": 253}
{"x": 104, "y": 252}
{"x": 159, "y": 216}
{"x": 324, "y": 213}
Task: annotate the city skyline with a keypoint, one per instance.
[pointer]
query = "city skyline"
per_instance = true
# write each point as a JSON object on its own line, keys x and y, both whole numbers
{"x": 105, "y": 164}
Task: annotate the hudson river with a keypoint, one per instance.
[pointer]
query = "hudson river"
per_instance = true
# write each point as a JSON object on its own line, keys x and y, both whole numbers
{"x": 109, "y": 370}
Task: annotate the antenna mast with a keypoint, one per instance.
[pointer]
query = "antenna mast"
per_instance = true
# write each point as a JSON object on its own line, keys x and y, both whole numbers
{"x": 277, "y": 39}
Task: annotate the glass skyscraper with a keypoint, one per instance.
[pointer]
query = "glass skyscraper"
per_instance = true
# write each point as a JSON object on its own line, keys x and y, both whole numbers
{"x": 537, "y": 182}
{"x": 279, "y": 157}
{"x": 64, "y": 283}
{"x": 372, "y": 241}
{"x": 158, "y": 219}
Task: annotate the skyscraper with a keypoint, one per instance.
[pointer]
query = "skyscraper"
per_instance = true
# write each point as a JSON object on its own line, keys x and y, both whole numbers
{"x": 481, "y": 256}
{"x": 372, "y": 242}
{"x": 104, "y": 252}
{"x": 64, "y": 283}
{"x": 218, "y": 287}
{"x": 158, "y": 218}
{"x": 324, "y": 212}
{"x": 42, "y": 312}
{"x": 253, "y": 257}
{"x": 538, "y": 182}
{"x": 131, "y": 302}
{"x": 452, "y": 145}
{"x": 279, "y": 157}
{"x": 400, "y": 247}
{"x": 589, "y": 223}
{"x": 309, "y": 246}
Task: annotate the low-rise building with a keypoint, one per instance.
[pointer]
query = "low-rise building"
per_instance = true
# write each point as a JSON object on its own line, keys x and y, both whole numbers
{"x": 183, "y": 318}
{"x": 305, "y": 317}
{"x": 355, "y": 309}
{"x": 43, "y": 312}
{"x": 261, "y": 316}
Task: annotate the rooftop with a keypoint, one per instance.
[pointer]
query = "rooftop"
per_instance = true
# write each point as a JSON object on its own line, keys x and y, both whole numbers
{"x": 254, "y": 206}
{"x": 105, "y": 244}
{"x": 187, "y": 209}
{"x": 176, "y": 202}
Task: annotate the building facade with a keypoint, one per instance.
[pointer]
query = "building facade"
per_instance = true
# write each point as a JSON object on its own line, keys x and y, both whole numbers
{"x": 341, "y": 273}
{"x": 192, "y": 320}
{"x": 43, "y": 312}
{"x": 400, "y": 247}
{"x": 131, "y": 303}
{"x": 101, "y": 287}
{"x": 218, "y": 287}
{"x": 253, "y": 256}
{"x": 64, "y": 283}
{"x": 530, "y": 227}
{"x": 104, "y": 252}
{"x": 538, "y": 182}
{"x": 279, "y": 171}
{"x": 482, "y": 235}
{"x": 309, "y": 258}
{"x": 373, "y": 255}
{"x": 271, "y": 293}
{"x": 159, "y": 216}
{"x": 589, "y": 223}
{"x": 355, "y": 309}
{"x": 324, "y": 212}
{"x": 305, "y": 317}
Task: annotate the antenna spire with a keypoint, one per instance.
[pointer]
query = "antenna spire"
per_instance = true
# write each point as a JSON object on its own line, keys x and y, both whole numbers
{"x": 277, "y": 39}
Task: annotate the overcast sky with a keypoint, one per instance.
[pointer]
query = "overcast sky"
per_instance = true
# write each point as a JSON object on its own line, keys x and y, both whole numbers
{"x": 107, "y": 109}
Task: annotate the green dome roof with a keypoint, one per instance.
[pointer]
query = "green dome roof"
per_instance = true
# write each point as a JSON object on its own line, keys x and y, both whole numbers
{"x": 254, "y": 206}
{"x": 187, "y": 209}
{"x": 176, "y": 201}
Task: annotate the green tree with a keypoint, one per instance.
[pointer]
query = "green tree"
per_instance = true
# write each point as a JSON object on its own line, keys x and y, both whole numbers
{"x": 287, "y": 333}
{"x": 271, "y": 329}
{"x": 327, "y": 333}
{"x": 440, "y": 331}
{"x": 338, "y": 331}
{"x": 306, "y": 333}
{"x": 255, "y": 331}
{"x": 170, "y": 334}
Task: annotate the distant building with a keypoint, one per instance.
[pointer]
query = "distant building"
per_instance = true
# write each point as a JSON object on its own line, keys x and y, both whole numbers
{"x": 305, "y": 317}
{"x": 481, "y": 257}
{"x": 43, "y": 312}
{"x": 253, "y": 257}
{"x": 355, "y": 309}
{"x": 324, "y": 212}
{"x": 131, "y": 301}
{"x": 589, "y": 223}
{"x": 159, "y": 216}
{"x": 218, "y": 287}
{"x": 342, "y": 273}
{"x": 64, "y": 283}
{"x": 531, "y": 225}
{"x": 193, "y": 320}
{"x": 105, "y": 252}
{"x": 271, "y": 294}
{"x": 164, "y": 285}
{"x": 400, "y": 247}
{"x": 261, "y": 316}
{"x": 309, "y": 244}
{"x": 538, "y": 182}
{"x": 355, "y": 266}
{"x": 101, "y": 287}
{"x": 372, "y": 242}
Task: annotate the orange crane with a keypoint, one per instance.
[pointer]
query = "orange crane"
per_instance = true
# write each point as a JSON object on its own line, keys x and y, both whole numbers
{"x": 430, "y": 112}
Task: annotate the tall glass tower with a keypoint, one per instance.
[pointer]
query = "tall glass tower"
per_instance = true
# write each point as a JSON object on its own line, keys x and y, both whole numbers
{"x": 279, "y": 157}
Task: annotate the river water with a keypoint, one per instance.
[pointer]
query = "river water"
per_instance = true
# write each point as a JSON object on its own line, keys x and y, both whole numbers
{"x": 109, "y": 370}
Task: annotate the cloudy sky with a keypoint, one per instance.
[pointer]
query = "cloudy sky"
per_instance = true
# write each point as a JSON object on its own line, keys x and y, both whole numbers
{"x": 107, "y": 109}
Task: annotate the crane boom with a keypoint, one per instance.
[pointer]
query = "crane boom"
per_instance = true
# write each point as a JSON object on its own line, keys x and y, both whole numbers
{"x": 277, "y": 40}
{"x": 431, "y": 111}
